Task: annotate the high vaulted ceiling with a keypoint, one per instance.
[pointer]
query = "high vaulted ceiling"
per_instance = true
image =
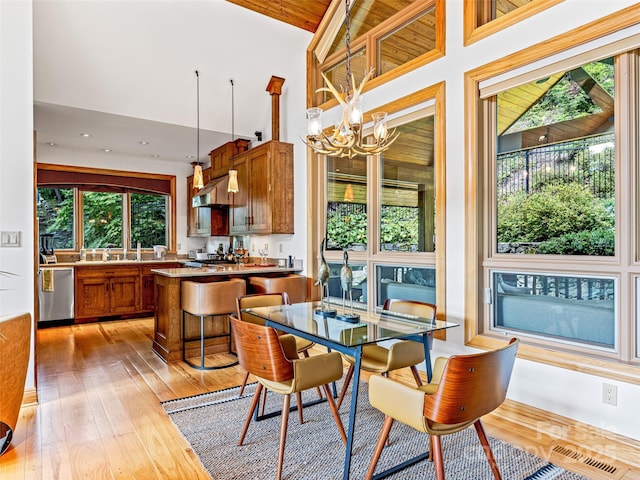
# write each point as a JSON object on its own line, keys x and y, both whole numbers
{"x": 305, "y": 14}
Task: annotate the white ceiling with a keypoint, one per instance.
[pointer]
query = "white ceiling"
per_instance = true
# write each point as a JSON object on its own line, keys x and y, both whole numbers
{"x": 124, "y": 72}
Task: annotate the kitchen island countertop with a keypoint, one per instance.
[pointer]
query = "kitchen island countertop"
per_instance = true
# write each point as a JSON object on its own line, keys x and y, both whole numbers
{"x": 237, "y": 269}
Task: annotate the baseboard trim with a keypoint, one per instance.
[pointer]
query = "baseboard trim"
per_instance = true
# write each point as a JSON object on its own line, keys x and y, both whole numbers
{"x": 30, "y": 397}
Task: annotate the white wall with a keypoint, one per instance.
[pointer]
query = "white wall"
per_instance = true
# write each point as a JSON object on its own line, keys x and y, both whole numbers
{"x": 16, "y": 160}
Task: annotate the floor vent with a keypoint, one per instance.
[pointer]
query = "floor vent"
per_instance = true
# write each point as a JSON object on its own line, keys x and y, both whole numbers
{"x": 600, "y": 465}
{"x": 585, "y": 464}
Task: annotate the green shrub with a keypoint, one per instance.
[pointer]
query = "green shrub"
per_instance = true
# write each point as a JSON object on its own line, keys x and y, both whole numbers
{"x": 554, "y": 211}
{"x": 596, "y": 242}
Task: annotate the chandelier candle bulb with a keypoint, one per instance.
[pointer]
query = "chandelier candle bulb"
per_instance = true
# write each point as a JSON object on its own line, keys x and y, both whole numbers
{"x": 379, "y": 125}
{"x": 314, "y": 122}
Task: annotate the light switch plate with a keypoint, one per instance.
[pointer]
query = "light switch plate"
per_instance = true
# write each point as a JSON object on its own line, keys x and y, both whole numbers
{"x": 9, "y": 239}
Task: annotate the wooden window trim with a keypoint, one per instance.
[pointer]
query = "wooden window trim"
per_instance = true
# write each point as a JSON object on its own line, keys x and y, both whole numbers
{"x": 473, "y": 34}
{"x": 316, "y": 206}
{"x": 474, "y": 202}
{"x": 370, "y": 41}
{"x": 154, "y": 177}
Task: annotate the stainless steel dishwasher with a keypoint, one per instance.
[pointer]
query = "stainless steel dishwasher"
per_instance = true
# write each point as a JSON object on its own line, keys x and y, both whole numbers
{"x": 55, "y": 296}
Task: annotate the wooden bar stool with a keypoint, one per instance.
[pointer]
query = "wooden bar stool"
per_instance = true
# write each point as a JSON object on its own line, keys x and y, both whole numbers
{"x": 207, "y": 300}
{"x": 293, "y": 285}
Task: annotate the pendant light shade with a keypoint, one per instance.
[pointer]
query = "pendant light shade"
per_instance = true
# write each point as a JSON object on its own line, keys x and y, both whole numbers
{"x": 198, "y": 179}
{"x": 233, "y": 182}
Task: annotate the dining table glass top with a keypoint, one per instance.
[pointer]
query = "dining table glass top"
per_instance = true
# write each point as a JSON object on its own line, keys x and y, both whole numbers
{"x": 372, "y": 326}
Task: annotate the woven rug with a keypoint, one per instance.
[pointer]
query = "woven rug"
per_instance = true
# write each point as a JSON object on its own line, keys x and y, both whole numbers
{"x": 212, "y": 423}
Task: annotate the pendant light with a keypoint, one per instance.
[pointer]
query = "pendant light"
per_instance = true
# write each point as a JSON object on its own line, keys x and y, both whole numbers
{"x": 198, "y": 179}
{"x": 233, "y": 173}
{"x": 346, "y": 139}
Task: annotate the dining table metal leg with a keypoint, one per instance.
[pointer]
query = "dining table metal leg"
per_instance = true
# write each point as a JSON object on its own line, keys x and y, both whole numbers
{"x": 427, "y": 357}
{"x": 352, "y": 413}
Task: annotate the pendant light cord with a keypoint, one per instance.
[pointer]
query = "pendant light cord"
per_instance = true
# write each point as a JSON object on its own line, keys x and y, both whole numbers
{"x": 233, "y": 137}
{"x": 198, "y": 117}
{"x": 348, "y": 44}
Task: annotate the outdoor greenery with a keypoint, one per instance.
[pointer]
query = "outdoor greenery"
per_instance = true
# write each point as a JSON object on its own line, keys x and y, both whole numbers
{"x": 568, "y": 206}
{"x": 399, "y": 226}
{"x": 102, "y": 218}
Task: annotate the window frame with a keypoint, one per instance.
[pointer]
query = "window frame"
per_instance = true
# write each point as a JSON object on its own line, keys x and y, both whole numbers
{"x": 624, "y": 365}
{"x": 369, "y": 41}
{"x": 372, "y": 256}
{"x": 473, "y": 33}
{"x": 126, "y": 213}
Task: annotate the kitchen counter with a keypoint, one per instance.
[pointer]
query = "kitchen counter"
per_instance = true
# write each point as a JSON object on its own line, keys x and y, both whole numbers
{"x": 90, "y": 263}
{"x": 224, "y": 270}
{"x": 167, "y": 325}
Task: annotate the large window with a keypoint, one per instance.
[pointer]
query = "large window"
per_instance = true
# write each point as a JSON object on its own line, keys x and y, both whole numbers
{"x": 559, "y": 260}
{"x": 382, "y": 210}
{"x": 106, "y": 209}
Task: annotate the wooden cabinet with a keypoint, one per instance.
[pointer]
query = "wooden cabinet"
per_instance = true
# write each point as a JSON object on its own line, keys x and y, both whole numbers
{"x": 264, "y": 203}
{"x": 105, "y": 291}
{"x": 221, "y": 156}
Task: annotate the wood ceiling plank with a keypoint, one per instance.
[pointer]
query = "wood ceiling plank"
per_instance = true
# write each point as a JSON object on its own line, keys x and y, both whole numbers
{"x": 305, "y": 14}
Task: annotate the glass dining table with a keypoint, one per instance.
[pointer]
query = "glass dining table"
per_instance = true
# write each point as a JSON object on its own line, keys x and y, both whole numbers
{"x": 348, "y": 331}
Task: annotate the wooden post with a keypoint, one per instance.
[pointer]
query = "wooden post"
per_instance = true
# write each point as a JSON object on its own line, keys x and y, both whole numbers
{"x": 275, "y": 89}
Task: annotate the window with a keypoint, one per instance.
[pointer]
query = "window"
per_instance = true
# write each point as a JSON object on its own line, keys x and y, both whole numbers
{"x": 556, "y": 168}
{"x": 484, "y": 17}
{"x": 384, "y": 35}
{"x": 109, "y": 209}
{"x": 383, "y": 211}
{"x": 55, "y": 210}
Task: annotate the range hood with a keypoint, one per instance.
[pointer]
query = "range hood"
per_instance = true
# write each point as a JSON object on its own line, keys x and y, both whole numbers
{"x": 213, "y": 194}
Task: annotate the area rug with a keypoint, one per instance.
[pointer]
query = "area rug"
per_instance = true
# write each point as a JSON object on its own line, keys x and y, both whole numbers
{"x": 212, "y": 423}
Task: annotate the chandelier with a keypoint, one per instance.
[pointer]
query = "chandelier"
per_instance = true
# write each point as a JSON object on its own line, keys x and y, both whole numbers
{"x": 346, "y": 139}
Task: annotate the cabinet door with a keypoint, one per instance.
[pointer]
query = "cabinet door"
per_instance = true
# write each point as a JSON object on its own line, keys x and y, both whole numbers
{"x": 124, "y": 294}
{"x": 260, "y": 191}
{"x": 92, "y": 296}
{"x": 239, "y": 216}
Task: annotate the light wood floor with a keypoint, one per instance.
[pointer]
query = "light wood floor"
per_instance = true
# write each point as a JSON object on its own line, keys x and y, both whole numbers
{"x": 99, "y": 415}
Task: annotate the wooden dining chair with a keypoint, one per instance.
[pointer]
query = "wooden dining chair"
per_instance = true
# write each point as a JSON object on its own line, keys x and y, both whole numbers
{"x": 266, "y": 300}
{"x": 463, "y": 389}
{"x": 274, "y": 361}
{"x": 402, "y": 354}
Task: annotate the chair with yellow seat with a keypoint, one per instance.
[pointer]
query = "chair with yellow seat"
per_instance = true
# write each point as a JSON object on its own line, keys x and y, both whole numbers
{"x": 266, "y": 300}
{"x": 463, "y": 389}
{"x": 402, "y": 354}
{"x": 272, "y": 359}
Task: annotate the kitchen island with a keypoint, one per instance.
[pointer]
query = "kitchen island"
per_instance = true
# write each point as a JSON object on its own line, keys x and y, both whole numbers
{"x": 167, "y": 331}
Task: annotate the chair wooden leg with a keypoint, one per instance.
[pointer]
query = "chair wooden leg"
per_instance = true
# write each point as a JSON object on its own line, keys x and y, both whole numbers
{"x": 264, "y": 401}
{"x": 437, "y": 457}
{"x": 334, "y": 412}
{"x": 431, "y": 448}
{"x": 252, "y": 408}
{"x": 416, "y": 376}
{"x": 299, "y": 400}
{"x": 284, "y": 422}
{"x": 487, "y": 449}
{"x": 244, "y": 384}
{"x": 382, "y": 440}
{"x": 345, "y": 385}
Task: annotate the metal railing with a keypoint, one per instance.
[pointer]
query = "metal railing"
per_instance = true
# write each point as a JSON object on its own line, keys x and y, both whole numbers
{"x": 587, "y": 160}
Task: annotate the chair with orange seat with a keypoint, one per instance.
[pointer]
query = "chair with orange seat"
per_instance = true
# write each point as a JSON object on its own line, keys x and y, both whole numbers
{"x": 463, "y": 389}
{"x": 405, "y": 353}
{"x": 272, "y": 359}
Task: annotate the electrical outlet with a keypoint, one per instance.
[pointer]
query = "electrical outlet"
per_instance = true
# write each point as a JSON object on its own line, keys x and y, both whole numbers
{"x": 609, "y": 394}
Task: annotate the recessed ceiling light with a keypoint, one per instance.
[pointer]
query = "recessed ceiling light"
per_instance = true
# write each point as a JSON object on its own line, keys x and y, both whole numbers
{"x": 143, "y": 142}
{"x": 106, "y": 150}
{"x": 190, "y": 157}
{"x": 85, "y": 135}
{"x": 51, "y": 144}
{"x": 154, "y": 155}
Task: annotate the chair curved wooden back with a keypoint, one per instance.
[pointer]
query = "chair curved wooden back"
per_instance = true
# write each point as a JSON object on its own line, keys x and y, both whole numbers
{"x": 472, "y": 385}
{"x": 260, "y": 352}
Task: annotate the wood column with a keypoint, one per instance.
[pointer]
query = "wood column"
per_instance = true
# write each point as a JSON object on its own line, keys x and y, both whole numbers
{"x": 275, "y": 90}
